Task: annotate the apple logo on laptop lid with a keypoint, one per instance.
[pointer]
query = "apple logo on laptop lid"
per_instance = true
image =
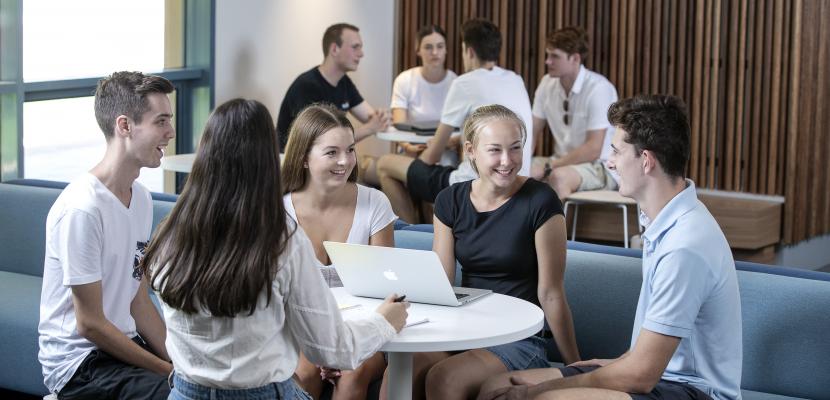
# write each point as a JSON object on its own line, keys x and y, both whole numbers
{"x": 390, "y": 275}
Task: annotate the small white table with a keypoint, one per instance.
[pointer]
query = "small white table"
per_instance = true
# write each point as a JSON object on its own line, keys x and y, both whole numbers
{"x": 492, "y": 320}
{"x": 178, "y": 162}
{"x": 393, "y": 135}
{"x": 183, "y": 162}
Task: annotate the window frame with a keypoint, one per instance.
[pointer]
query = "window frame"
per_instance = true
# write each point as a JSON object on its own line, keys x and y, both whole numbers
{"x": 190, "y": 67}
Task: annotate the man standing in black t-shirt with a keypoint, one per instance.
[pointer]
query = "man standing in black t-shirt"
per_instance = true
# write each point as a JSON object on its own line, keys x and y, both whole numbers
{"x": 328, "y": 83}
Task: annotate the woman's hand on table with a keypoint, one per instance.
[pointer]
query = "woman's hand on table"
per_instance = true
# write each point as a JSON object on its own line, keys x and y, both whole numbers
{"x": 394, "y": 312}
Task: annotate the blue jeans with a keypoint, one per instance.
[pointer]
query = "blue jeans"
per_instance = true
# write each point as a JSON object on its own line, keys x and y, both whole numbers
{"x": 286, "y": 390}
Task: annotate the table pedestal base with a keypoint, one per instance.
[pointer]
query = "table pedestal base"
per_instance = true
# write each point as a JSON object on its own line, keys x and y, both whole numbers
{"x": 400, "y": 376}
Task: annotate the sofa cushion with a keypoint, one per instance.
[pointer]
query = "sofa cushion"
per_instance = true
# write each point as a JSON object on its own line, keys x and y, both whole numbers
{"x": 602, "y": 292}
{"x": 24, "y": 228}
{"x": 23, "y": 211}
{"x": 785, "y": 323}
{"x": 160, "y": 210}
{"x": 413, "y": 240}
{"x": 20, "y": 297}
{"x": 750, "y": 395}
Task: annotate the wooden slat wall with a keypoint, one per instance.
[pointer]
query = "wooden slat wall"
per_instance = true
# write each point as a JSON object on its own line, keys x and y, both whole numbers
{"x": 755, "y": 75}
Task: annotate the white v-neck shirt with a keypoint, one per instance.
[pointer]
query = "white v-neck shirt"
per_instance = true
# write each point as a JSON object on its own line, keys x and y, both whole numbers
{"x": 372, "y": 213}
{"x": 90, "y": 237}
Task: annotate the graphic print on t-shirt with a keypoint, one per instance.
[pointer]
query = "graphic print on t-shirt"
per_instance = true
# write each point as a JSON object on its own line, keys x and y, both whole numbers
{"x": 138, "y": 270}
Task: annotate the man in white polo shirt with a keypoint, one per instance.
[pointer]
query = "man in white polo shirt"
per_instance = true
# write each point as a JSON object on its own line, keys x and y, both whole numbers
{"x": 573, "y": 102}
{"x": 686, "y": 340}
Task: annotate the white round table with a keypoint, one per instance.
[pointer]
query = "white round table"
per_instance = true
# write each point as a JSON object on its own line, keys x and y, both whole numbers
{"x": 489, "y": 321}
{"x": 183, "y": 162}
{"x": 393, "y": 135}
{"x": 178, "y": 162}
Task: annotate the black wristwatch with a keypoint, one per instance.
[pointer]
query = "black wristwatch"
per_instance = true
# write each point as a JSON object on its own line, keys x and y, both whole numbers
{"x": 548, "y": 170}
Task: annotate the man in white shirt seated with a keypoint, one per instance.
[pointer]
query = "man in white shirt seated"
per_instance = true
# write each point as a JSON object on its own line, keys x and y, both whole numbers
{"x": 686, "y": 340}
{"x": 101, "y": 337}
{"x": 483, "y": 83}
{"x": 573, "y": 102}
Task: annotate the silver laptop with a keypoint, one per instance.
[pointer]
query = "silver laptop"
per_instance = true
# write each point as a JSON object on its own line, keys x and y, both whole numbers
{"x": 375, "y": 271}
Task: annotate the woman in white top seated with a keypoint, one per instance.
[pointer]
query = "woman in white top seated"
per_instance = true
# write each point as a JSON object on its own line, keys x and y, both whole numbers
{"x": 320, "y": 193}
{"x": 418, "y": 95}
{"x": 236, "y": 276}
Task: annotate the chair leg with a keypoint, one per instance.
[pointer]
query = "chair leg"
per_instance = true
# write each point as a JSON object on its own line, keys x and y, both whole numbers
{"x": 625, "y": 224}
{"x": 573, "y": 222}
{"x": 639, "y": 227}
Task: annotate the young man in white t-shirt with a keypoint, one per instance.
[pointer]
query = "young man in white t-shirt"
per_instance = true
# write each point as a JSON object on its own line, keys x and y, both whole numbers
{"x": 484, "y": 83}
{"x": 573, "y": 101}
{"x": 101, "y": 336}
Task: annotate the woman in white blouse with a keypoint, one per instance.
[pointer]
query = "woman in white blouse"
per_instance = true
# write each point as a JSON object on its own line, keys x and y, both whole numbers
{"x": 320, "y": 193}
{"x": 236, "y": 277}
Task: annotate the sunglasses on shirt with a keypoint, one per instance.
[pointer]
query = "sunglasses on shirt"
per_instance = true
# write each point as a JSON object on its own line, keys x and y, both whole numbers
{"x": 566, "y": 115}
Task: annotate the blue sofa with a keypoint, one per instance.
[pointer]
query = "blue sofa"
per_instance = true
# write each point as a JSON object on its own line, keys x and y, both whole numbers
{"x": 786, "y": 351}
{"x": 24, "y": 206}
{"x": 784, "y": 311}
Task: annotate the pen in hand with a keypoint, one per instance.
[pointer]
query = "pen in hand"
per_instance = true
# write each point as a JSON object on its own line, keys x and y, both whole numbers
{"x": 400, "y": 299}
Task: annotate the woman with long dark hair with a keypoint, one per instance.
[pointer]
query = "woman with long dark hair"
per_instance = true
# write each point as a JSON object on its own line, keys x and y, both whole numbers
{"x": 239, "y": 293}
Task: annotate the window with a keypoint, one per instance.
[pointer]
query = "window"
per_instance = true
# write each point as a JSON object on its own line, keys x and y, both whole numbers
{"x": 53, "y": 53}
{"x": 78, "y": 39}
{"x": 62, "y": 140}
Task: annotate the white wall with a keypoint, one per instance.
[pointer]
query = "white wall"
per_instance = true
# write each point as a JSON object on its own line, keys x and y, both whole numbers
{"x": 262, "y": 45}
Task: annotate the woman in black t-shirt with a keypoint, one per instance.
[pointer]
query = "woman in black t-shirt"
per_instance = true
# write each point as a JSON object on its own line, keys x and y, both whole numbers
{"x": 508, "y": 233}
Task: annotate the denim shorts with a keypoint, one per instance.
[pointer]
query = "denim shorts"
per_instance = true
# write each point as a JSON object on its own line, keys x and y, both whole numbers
{"x": 286, "y": 390}
{"x": 524, "y": 354}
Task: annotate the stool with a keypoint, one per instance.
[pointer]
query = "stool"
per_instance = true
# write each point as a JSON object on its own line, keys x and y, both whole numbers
{"x": 610, "y": 197}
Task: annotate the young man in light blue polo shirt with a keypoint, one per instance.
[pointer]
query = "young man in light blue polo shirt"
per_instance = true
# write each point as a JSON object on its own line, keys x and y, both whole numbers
{"x": 686, "y": 341}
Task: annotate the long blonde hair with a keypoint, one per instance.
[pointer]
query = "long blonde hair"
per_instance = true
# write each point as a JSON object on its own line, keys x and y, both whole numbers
{"x": 311, "y": 123}
{"x": 483, "y": 116}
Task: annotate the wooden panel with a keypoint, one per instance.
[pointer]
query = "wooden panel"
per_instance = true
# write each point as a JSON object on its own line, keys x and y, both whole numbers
{"x": 792, "y": 128}
{"x": 785, "y": 98}
{"x": 824, "y": 102}
{"x": 775, "y": 97}
{"x": 729, "y": 167}
{"x": 754, "y": 74}
{"x": 697, "y": 93}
